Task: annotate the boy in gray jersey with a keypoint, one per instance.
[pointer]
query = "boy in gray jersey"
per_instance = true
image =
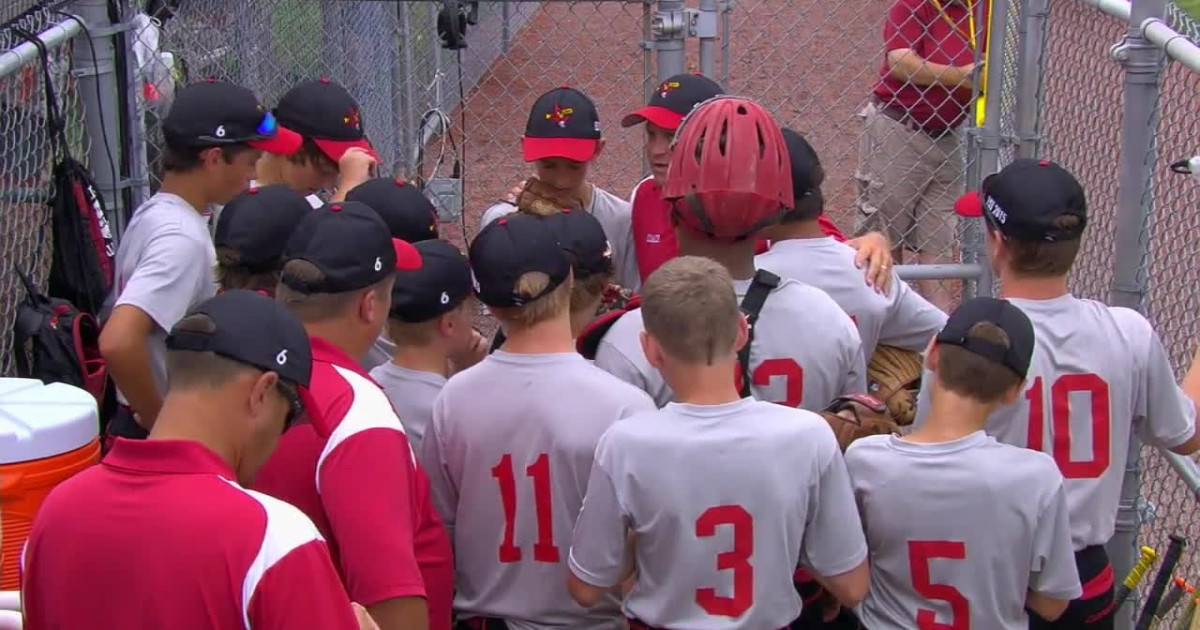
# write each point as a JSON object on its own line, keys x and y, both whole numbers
{"x": 562, "y": 138}
{"x": 965, "y": 532}
{"x": 430, "y": 321}
{"x": 214, "y": 133}
{"x": 804, "y": 350}
{"x": 512, "y": 440}
{"x": 1098, "y": 372}
{"x": 669, "y": 491}
{"x": 801, "y": 250}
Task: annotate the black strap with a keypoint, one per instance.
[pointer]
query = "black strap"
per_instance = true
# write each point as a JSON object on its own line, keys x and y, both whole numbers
{"x": 54, "y": 120}
{"x": 28, "y": 321}
{"x": 760, "y": 287}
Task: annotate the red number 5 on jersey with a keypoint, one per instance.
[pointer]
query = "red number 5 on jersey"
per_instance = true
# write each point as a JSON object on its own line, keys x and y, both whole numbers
{"x": 920, "y": 552}
{"x": 736, "y": 559}
{"x": 1060, "y": 415}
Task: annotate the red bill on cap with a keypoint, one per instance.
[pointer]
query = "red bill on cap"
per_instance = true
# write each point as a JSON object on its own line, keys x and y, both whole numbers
{"x": 335, "y": 149}
{"x": 408, "y": 258}
{"x": 284, "y": 142}
{"x": 969, "y": 205}
{"x": 575, "y": 149}
{"x": 660, "y": 116}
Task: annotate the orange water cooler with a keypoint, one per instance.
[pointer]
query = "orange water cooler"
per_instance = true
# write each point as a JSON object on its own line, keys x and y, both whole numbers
{"x": 47, "y": 434}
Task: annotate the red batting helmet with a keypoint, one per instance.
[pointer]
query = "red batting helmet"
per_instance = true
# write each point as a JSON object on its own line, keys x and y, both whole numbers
{"x": 730, "y": 175}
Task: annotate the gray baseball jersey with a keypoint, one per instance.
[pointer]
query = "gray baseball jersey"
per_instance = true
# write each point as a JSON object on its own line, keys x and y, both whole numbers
{"x": 805, "y": 353}
{"x": 1097, "y": 373}
{"x": 711, "y": 555}
{"x": 615, "y": 217}
{"x": 902, "y": 318}
{"x": 412, "y": 393}
{"x": 165, "y": 266}
{"x": 380, "y": 352}
{"x": 959, "y": 532}
{"x": 508, "y": 456}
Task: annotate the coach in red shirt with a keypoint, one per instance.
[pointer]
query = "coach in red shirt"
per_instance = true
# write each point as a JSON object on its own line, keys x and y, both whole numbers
{"x": 161, "y": 534}
{"x": 653, "y": 234}
{"x": 910, "y": 165}
{"x": 351, "y": 468}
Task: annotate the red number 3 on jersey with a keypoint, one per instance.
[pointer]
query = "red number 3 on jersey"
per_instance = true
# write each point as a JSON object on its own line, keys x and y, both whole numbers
{"x": 736, "y": 559}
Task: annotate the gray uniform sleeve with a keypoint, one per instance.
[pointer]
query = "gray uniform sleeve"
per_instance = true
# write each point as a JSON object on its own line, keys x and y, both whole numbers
{"x": 625, "y": 256}
{"x": 833, "y": 536}
{"x": 610, "y": 359}
{"x": 598, "y": 545}
{"x": 1167, "y": 415}
{"x": 1052, "y": 568}
{"x": 495, "y": 212}
{"x": 432, "y": 458}
{"x": 167, "y": 276}
{"x": 911, "y": 321}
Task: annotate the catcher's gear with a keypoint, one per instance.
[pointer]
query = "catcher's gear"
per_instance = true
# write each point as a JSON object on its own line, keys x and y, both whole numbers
{"x": 858, "y": 415}
{"x": 894, "y": 377}
{"x": 542, "y": 199}
{"x": 730, "y": 174}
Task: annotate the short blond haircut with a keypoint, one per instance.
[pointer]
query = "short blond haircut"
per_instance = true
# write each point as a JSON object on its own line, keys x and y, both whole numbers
{"x": 546, "y": 307}
{"x": 689, "y": 305}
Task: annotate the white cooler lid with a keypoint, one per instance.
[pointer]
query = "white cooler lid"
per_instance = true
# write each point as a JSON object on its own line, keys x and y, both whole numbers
{"x": 39, "y": 420}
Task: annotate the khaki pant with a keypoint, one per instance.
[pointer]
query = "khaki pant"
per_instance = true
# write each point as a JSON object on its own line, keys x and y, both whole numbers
{"x": 907, "y": 183}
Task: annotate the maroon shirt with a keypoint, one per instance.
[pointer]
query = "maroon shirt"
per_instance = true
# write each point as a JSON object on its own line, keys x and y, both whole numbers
{"x": 919, "y": 26}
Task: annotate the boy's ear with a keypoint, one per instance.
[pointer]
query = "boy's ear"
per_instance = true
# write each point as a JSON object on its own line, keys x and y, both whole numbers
{"x": 599, "y": 148}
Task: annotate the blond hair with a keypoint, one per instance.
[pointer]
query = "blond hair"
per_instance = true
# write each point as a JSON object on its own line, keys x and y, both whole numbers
{"x": 546, "y": 307}
{"x": 690, "y": 307}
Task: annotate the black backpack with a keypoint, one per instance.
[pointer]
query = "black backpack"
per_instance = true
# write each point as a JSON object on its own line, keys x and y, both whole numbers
{"x": 55, "y": 342}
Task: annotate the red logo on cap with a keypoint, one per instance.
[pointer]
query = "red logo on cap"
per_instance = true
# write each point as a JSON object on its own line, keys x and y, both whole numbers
{"x": 667, "y": 86}
{"x": 399, "y": 181}
{"x": 352, "y": 118}
{"x": 560, "y": 115}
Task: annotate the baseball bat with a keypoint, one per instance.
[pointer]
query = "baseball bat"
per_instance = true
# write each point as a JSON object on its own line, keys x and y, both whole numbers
{"x": 1185, "y": 618}
{"x": 1136, "y": 574}
{"x": 1169, "y": 602}
{"x": 1159, "y": 586}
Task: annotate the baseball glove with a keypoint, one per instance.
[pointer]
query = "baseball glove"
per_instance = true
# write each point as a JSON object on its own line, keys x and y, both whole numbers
{"x": 542, "y": 199}
{"x": 894, "y": 377}
{"x": 858, "y": 415}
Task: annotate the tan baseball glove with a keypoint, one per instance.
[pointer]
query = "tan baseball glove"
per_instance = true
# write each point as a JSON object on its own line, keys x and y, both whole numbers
{"x": 858, "y": 415}
{"x": 542, "y": 199}
{"x": 894, "y": 377}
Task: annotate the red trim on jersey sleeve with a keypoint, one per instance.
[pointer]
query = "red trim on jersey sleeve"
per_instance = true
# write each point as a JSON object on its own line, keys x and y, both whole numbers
{"x": 302, "y": 588}
{"x": 366, "y": 489}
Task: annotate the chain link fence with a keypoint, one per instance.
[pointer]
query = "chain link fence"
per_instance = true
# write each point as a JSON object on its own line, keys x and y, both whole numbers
{"x": 27, "y": 159}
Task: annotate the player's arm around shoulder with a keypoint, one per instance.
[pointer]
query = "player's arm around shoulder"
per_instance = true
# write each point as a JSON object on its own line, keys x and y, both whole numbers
{"x": 601, "y": 554}
{"x": 1169, "y": 410}
{"x": 834, "y": 544}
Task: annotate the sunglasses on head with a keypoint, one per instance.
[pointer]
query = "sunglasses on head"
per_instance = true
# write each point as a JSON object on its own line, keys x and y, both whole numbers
{"x": 267, "y": 127}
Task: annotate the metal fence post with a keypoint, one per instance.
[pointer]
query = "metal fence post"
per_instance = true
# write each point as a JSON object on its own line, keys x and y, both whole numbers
{"x": 706, "y": 32}
{"x": 1031, "y": 67}
{"x": 1142, "y": 64}
{"x": 96, "y": 74}
{"x": 670, "y": 28}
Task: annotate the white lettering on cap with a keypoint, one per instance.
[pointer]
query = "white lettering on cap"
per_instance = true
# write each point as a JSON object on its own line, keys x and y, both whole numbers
{"x": 995, "y": 210}
{"x": 378, "y": 263}
{"x": 281, "y": 358}
{"x": 445, "y": 298}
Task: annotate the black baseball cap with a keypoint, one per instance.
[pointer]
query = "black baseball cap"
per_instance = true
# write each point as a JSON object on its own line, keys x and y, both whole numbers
{"x": 582, "y": 237}
{"x": 438, "y": 286}
{"x": 673, "y": 99}
{"x": 562, "y": 123}
{"x": 214, "y": 113}
{"x": 407, "y": 213}
{"x": 509, "y": 248}
{"x": 1025, "y": 198}
{"x": 257, "y": 224}
{"x": 805, "y": 164}
{"x": 351, "y": 246}
{"x": 324, "y": 111}
{"x": 1002, "y": 313}
{"x": 253, "y": 329}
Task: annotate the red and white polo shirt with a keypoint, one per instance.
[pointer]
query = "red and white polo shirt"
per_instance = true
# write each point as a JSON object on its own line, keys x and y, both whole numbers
{"x": 160, "y": 535}
{"x": 351, "y": 469}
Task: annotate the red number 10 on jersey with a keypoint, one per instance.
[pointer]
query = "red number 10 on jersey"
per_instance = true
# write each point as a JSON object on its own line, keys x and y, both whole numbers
{"x": 1060, "y": 416}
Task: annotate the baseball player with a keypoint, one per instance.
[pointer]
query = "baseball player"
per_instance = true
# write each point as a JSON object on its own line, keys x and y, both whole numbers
{"x": 562, "y": 138}
{"x": 804, "y": 349}
{"x": 351, "y": 467}
{"x": 214, "y": 134}
{"x": 512, "y": 440}
{"x": 430, "y": 322}
{"x": 801, "y": 250}
{"x": 965, "y": 531}
{"x": 1097, "y": 372}
{"x": 250, "y": 236}
{"x": 709, "y": 554}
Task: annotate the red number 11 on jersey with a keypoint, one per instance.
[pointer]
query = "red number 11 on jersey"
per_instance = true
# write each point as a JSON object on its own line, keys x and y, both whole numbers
{"x": 544, "y": 550}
